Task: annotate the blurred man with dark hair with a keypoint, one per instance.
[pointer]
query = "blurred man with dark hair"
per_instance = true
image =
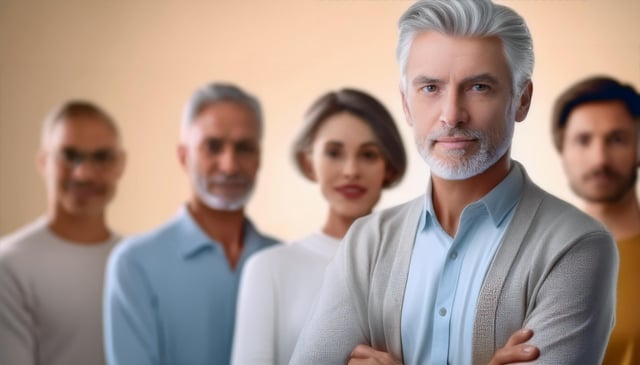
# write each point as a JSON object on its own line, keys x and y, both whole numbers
{"x": 596, "y": 124}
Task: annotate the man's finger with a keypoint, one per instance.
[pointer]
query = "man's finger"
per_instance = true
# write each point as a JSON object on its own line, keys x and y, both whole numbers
{"x": 362, "y": 352}
{"x": 519, "y": 337}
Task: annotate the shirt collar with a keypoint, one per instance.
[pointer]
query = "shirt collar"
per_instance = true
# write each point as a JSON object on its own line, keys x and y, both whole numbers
{"x": 498, "y": 202}
{"x": 196, "y": 240}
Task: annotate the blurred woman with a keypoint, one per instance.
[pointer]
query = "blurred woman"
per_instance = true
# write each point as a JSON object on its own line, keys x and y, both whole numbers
{"x": 350, "y": 146}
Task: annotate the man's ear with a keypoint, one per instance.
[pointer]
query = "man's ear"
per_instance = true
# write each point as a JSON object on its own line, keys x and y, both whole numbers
{"x": 41, "y": 161}
{"x": 181, "y": 152}
{"x": 525, "y": 102}
{"x": 405, "y": 106}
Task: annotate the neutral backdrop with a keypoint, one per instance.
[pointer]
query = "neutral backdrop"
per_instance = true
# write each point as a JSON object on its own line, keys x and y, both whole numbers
{"x": 141, "y": 60}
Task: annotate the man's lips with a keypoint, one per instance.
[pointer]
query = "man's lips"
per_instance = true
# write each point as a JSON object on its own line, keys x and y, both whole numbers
{"x": 454, "y": 142}
{"x": 351, "y": 191}
{"x": 84, "y": 192}
{"x": 600, "y": 177}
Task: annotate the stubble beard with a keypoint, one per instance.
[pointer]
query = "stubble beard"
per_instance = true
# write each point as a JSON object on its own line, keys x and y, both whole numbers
{"x": 614, "y": 195}
{"x": 462, "y": 164}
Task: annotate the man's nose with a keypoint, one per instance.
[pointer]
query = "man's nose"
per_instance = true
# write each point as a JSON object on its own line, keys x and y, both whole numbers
{"x": 453, "y": 110}
{"x": 228, "y": 161}
{"x": 598, "y": 152}
{"x": 84, "y": 170}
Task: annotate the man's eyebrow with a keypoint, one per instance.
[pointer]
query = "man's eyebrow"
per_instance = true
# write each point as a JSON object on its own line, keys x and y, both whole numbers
{"x": 422, "y": 80}
{"x": 70, "y": 148}
{"x": 485, "y": 77}
{"x": 617, "y": 131}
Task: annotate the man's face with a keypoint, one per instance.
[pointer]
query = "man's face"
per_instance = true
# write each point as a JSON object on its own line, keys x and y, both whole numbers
{"x": 458, "y": 99}
{"x": 600, "y": 151}
{"x": 221, "y": 153}
{"x": 81, "y": 161}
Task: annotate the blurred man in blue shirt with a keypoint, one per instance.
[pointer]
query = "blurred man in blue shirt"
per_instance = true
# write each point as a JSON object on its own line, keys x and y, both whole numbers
{"x": 170, "y": 294}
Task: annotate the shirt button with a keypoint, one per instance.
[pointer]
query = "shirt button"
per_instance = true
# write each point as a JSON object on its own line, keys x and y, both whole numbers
{"x": 454, "y": 255}
{"x": 442, "y": 312}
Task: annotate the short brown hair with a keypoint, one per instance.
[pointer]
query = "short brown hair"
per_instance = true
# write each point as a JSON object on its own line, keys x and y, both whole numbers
{"x": 589, "y": 90}
{"x": 372, "y": 112}
{"x": 74, "y": 109}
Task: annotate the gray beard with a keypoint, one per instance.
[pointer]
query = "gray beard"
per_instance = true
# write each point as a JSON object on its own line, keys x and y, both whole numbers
{"x": 464, "y": 166}
{"x": 217, "y": 202}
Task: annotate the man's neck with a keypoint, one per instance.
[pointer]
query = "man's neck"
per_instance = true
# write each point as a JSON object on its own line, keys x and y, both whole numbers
{"x": 225, "y": 227}
{"x": 450, "y": 197}
{"x": 81, "y": 229}
{"x": 622, "y": 218}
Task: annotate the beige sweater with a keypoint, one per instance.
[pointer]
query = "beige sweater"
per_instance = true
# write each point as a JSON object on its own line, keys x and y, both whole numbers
{"x": 554, "y": 272}
{"x": 51, "y": 299}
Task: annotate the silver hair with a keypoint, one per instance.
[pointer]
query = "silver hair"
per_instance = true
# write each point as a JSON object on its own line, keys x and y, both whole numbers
{"x": 217, "y": 92}
{"x": 470, "y": 18}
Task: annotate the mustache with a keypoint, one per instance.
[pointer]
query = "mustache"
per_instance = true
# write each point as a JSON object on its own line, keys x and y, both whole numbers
{"x": 457, "y": 131}
{"x": 601, "y": 171}
{"x": 222, "y": 179}
{"x": 77, "y": 184}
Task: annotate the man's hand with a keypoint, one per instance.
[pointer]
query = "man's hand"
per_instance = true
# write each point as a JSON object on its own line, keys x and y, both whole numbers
{"x": 516, "y": 350}
{"x": 366, "y": 355}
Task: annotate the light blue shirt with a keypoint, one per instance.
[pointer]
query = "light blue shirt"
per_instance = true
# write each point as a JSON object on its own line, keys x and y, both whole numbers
{"x": 445, "y": 275}
{"x": 170, "y": 296}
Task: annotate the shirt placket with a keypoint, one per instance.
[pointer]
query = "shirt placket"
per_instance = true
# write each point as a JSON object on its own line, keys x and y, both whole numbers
{"x": 447, "y": 288}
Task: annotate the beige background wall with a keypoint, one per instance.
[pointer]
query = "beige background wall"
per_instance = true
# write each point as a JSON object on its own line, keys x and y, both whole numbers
{"x": 142, "y": 59}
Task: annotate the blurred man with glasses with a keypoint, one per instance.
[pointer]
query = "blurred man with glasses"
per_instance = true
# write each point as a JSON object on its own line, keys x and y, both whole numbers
{"x": 51, "y": 271}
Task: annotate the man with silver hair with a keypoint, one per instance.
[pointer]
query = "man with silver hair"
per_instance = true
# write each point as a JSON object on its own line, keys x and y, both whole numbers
{"x": 170, "y": 294}
{"x": 452, "y": 276}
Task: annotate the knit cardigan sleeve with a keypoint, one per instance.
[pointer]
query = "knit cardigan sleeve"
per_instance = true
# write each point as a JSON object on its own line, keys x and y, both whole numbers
{"x": 555, "y": 273}
{"x": 361, "y": 297}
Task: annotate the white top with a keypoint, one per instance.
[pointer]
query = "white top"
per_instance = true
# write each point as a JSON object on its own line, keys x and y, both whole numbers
{"x": 51, "y": 298}
{"x": 277, "y": 292}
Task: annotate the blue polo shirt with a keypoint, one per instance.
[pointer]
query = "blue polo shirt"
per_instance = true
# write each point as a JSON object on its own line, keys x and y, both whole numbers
{"x": 170, "y": 296}
{"x": 446, "y": 274}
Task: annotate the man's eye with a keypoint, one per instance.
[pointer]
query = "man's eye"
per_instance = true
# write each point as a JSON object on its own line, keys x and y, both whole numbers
{"x": 430, "y": 88}
{"x": 480, "y": 87}
{"x": 246, "y": 148}
{"x": 72, "y": 156}
{"x": 617, "y": 139}
{"x": 583, "y": 140}
{"x": 103, "y": 157}
{"x": 213, "y": 147}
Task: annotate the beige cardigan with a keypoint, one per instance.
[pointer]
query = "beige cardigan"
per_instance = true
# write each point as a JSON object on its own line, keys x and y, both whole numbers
{"x": 554, "y": 272}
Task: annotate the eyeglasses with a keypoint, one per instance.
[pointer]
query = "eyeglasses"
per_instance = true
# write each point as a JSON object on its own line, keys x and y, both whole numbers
{"x": 102, "y": 159}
